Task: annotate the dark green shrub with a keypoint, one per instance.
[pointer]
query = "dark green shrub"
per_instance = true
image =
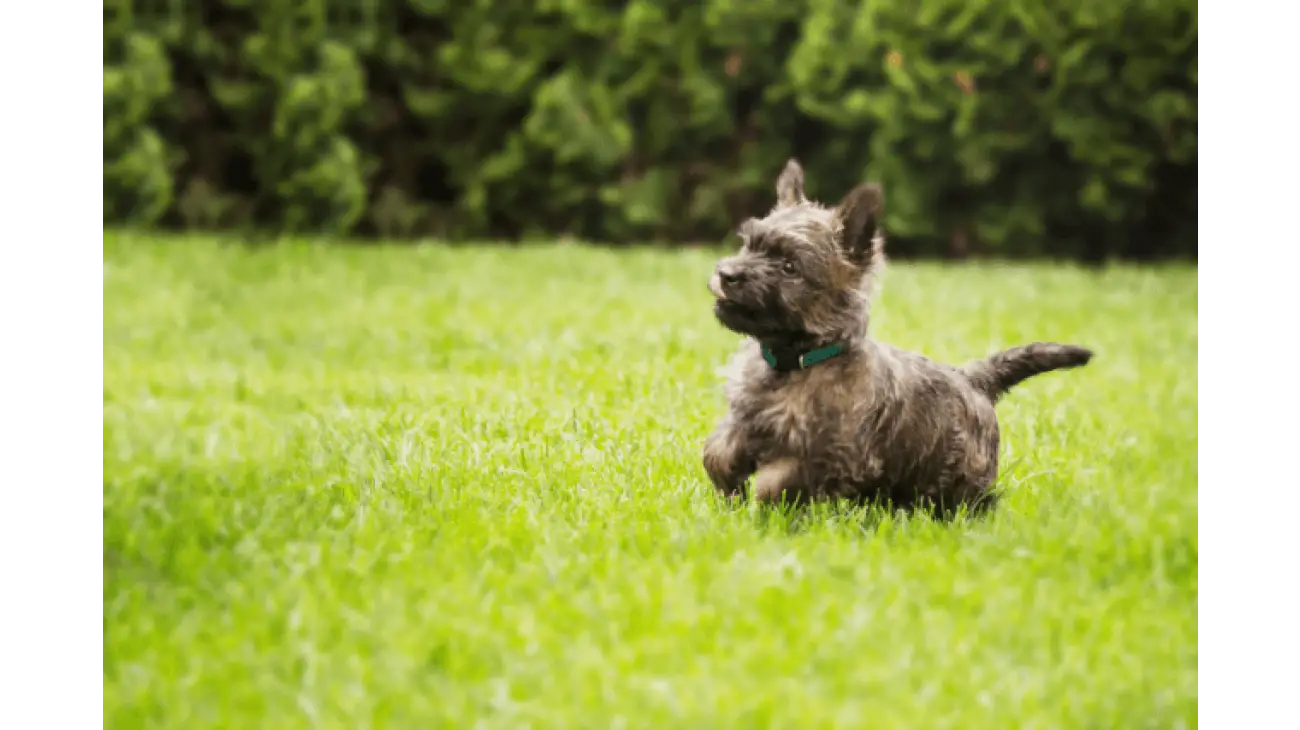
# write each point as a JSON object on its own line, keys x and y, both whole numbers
{"x": 1008, "y": 127}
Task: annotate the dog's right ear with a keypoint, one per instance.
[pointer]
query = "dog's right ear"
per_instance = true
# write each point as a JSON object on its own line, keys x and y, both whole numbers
{"x": 789, "y": 186}
{"x": 860, "y": 213}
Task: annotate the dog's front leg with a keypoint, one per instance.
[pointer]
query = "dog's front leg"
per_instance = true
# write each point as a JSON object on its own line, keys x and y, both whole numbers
{"x": 726, "y": 460}
{"x": 777, "y": 480}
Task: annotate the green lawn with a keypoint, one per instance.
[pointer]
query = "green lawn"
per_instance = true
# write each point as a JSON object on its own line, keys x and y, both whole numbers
{"x": 460, "y": 487}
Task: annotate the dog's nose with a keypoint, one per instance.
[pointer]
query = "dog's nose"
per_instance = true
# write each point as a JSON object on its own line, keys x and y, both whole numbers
{"x": 730, "y": 275}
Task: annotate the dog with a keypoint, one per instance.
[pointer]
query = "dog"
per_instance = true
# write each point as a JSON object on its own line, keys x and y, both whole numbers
{"x": 817, "y": 410}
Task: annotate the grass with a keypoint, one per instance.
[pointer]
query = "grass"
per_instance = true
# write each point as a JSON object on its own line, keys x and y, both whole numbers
{"x": 460, "y": 487}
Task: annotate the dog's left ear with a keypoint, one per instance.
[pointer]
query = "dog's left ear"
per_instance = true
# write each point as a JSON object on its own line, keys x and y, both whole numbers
{"x": 789, "y": 186}
{"x": 860, "y": 213}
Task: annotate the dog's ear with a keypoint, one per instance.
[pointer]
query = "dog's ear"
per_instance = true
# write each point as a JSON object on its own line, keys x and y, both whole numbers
{"x": 789, "y": 186}
{"x": 860, "y": 213}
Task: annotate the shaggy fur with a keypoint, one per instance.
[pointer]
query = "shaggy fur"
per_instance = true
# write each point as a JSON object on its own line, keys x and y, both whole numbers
{"x": 874, "y": 423}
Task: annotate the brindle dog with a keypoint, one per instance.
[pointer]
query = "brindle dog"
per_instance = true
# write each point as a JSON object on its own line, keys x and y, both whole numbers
{"x": 819, "y": 410}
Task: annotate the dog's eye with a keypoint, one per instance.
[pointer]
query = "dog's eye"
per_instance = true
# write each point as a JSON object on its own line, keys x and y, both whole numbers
{"x": 789, "y": 267}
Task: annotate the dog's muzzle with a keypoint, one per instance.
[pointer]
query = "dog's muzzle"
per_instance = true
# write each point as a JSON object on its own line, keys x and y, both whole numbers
{"x": 715, "y": 286}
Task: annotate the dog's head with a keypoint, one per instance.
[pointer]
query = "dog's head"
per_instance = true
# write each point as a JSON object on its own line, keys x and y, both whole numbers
{"x": 803, "y": 272}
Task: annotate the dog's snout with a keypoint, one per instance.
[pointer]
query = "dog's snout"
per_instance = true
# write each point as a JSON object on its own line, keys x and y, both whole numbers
{"x": 730, "y": 274}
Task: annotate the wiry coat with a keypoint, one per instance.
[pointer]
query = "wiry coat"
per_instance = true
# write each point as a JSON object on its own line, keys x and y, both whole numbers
{"x": 873, "y": 423}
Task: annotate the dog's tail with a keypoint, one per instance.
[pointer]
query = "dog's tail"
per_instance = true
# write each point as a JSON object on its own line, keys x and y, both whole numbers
{"x": 997, "y": 374}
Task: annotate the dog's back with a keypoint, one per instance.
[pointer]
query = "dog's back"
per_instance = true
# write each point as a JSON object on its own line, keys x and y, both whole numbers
{"x": 877, "y": 423}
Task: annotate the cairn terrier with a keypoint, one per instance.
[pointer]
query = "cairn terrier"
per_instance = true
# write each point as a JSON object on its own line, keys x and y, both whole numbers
{"x": 819, "y": 410}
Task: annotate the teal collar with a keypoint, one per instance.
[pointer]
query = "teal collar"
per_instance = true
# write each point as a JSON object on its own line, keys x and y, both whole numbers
{"x": 799, "y": 361}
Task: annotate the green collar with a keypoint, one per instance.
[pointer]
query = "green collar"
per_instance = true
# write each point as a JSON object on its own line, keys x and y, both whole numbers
{"x": 786, "y": 362}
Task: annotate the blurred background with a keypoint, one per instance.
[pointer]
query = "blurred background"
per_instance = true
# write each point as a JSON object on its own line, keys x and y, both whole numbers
{"x": 1009, "y": 128}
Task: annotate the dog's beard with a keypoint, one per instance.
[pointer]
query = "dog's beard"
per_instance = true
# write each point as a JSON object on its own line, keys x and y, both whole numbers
{"x": 770, "y": 322}
{"x": 760, "y": 321}
{"x": 736, "y": 317}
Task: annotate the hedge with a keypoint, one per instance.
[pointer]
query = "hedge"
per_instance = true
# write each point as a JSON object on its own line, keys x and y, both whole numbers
{"x": 1018, "y": 127}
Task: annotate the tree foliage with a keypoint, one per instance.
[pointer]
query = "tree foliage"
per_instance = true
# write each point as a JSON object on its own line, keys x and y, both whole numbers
{"x": 1013, "y": 127}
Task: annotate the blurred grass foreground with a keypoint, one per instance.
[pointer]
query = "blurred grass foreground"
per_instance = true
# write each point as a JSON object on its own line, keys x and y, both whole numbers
{"x": 460, "y": 487}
